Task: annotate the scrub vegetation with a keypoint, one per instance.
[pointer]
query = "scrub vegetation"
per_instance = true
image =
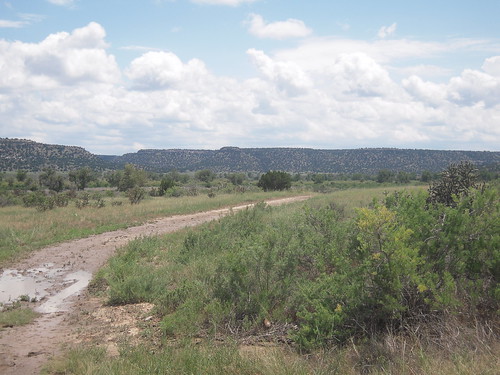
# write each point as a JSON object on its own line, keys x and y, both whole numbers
{"x": 377, "y": 274}
{"x": 354, "y": 282}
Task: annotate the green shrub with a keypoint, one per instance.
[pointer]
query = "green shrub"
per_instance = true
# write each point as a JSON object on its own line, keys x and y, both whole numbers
{"x": 315, "y": 267}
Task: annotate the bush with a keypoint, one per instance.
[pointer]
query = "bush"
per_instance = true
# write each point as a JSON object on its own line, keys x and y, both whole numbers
{"x": 456, "y": 181}
{"x": 325, "y": 276}
{"x": 136, "y": 194}
{"x": 275, "y": 180}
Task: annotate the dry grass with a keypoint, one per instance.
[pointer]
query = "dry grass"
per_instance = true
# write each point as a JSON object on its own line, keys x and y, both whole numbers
{"x": 25, "y": 229}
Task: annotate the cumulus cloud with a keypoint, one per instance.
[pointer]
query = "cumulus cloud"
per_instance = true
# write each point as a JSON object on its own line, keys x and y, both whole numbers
{"x": 427, "y": 92}
{"x": 61, "y": 58}
{"x": 474, "y": 87}
{"x": 291, "y": 28}
{"x": 287, "y": 76}
{"x": 492, "y": 66}
{"x": 69, "y": 89}
{"x": 360, "y": 75}
{"x": 159, "y": 70}
{"x": 386, "y": 31}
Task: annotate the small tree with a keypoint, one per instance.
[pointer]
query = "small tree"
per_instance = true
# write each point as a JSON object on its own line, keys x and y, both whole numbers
{"x": 81, "y": 177}
{"x": 132, "y": 177}
{"x": 136, "y": 194}
{"x": 236, "y": 178}
{"x": 21, "y": 175}
{"x": 166, "y": 183}
{"x": 51, "y": 180}
{"x": 275, "y": 180}
{"x": 384, "y": 175}
{"x": 456, "y": 181}
{"x": 205, "y": 175}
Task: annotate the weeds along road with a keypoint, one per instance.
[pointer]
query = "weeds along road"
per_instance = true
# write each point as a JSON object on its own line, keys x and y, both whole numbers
{"x": 68, "y": 267}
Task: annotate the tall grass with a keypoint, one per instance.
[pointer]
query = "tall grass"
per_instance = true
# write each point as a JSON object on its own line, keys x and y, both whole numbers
{"x": 25, "y": 229}
{"x": 310, "y": 269}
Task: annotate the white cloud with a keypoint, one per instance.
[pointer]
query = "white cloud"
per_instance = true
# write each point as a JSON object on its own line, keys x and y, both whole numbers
{"x": 290, "y": 28}
{"x": 12, "y": 24}
{"x": 223, "y": 2}
{"x": 386, "y": 31}
{"x": 69, "y": 89}
{"x": 360, "y": 75}
{"x": 473, "y": 87}
{"x": 27, "y": 18}
{"x": 61, "y": 58}
{"x": 492, "y": 66}
{"x": 159, "y": 70}
{"x": 61, "y": 2}
{"x": 287, "y": 76}
{"x": 427, "y": 92}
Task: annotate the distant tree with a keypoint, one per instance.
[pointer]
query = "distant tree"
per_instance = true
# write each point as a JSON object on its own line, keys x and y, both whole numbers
{"x": 81, "y": 177}
{"x": 456, "y": 181}
{"x": 275, "y": 180}
{"x": 136, "y": 194}
{"x": 319, "y": 178}
{"x": 166, "y": 183}
{"x": 384, "y": 175}
{"x": 403, "y": 177}
{"x": 426, "y": 176}
{"x": 50, "y": 179}
{"x": 236, "y": 178}
{"x": 205, "y": 175}
{"x": 132, "y": 177}
{"x": 21, "y": 175}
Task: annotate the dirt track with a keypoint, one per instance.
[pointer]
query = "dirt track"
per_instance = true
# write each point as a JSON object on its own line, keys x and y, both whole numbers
{"x": 24, "y": 350}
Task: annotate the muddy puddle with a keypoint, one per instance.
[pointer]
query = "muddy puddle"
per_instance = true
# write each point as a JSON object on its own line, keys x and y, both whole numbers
{"x": 47, "y": 286}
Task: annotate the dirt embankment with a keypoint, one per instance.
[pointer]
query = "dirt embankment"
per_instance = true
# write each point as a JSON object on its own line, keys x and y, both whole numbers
{"x": 67, "y": 269}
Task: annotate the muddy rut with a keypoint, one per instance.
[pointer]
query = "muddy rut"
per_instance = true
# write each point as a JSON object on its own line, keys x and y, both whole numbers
{"x": 64, "y": 270}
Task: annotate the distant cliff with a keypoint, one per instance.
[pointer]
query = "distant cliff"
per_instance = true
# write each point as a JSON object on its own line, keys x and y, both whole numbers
{"x": 33, "y": 156}
{"x": 367, "y": 161}
{"x": 22, "y": 154}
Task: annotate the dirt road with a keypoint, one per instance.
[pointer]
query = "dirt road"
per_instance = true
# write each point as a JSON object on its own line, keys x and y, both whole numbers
{"x": 67, "y": 268}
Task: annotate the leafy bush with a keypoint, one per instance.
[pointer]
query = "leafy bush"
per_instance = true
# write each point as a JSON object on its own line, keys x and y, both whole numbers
{"x": 136, "y": 194}
{"x": 456, "y": 181}
{"x": 325, "y": 275}
{"x": 275, "y": 180}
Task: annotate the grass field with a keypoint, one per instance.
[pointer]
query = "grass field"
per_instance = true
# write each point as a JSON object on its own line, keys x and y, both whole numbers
{"x": 192, "y": 340}
{"x": 181, "y": 272}
{"x": 26, "y": 229}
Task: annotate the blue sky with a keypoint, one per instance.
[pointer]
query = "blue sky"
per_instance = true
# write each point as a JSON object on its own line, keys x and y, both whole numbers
{"x": 117, "y": 76}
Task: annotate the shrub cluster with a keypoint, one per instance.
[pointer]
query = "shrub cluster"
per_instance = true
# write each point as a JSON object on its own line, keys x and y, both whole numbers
{"x": 395, "y": 264}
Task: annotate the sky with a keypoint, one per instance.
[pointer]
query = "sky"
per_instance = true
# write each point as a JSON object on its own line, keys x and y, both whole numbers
{"x": 118, "y": 76}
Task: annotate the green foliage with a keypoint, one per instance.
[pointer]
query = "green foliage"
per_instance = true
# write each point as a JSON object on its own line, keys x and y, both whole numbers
{"x": 50, "y": 179}
{"x": 205, "y": 175}
{"x": 236, "y": 178}
{"x": 21, "y": 175}
{"x": 82, "y": 177}
{"x": 131, "y": 177}
{"x": 16, "y": 316}
{"x": 136, "y": 194}
{"x": 324, "y": 273}
{"x": 275, "y": 180}
{"x": 456, "y": 181}
{"x": 385, "y": 175}
{"x": 166, "y": 183}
